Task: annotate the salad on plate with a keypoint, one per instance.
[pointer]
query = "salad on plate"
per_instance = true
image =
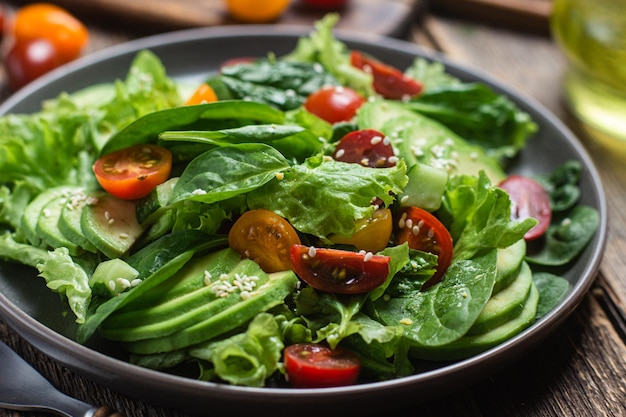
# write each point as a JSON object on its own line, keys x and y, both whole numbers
{"x": 315, "y": 219}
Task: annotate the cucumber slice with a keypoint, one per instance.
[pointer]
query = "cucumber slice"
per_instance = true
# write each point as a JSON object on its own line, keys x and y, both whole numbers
{"x": 69, "y": 221}
{"x": 471, "y": 345}
{"x": 111, "y": 224}
{"x": 425, "y": 187}
{"x": 48, "y": 226}
{"x": 150, "y": 207}
{"x": 506, "y": 304}
{"x": 30, "y": 218}
{"x": 509, "y": 262}
{"x": 113, "y": 277}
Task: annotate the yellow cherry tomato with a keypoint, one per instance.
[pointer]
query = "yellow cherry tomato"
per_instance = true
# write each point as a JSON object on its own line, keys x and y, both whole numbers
{"x": 204, "y": 94}
{"x": 43, "y": 20}
{"x": 256, "y": 11}
{"x": 371, "y": 234}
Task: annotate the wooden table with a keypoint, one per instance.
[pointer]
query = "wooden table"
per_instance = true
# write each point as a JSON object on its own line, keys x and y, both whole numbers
{"x": 581, "y": 369}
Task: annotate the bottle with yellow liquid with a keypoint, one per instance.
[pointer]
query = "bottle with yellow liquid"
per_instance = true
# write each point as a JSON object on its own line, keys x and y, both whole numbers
{"x": 592, "y": 33}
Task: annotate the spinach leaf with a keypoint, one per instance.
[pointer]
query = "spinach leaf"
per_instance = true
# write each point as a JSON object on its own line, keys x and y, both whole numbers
{"x": 566, "y": 237}
{"x": 448, "y": 309}
{"x": 281, "y": 84}
{"x": 294, "y": 142}
{"x": 562, "y": 185}
{"x": 552, "y": 289}
{"x": 223, "y": 173}
{"x": 217, "y": 115}
{"x": 479, "y": 115}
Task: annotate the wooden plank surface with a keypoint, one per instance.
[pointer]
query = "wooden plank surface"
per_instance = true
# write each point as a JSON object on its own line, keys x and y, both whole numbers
{"x": 530, "y": 15}
{"x": 388, "y": 17}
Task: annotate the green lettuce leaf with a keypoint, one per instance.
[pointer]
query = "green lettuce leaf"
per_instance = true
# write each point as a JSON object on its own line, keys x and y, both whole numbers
{"x": 321, "y": 197}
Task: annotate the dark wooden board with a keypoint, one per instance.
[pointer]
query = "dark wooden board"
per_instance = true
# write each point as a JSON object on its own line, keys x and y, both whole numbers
{"x": 388, "y": 17}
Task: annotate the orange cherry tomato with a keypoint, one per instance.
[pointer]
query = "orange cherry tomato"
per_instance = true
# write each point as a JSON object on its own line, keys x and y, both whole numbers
{"x": 255, "y": 11}
{"x": 311, "y": 365}
{"x": 44, "y": 20}
{"x": 133, "y": 172}
{"x": 424, "y": 232}
{"x": 265, "y": 237}
{"x": 203, "y": 94}
{"x": 372, "y": 234}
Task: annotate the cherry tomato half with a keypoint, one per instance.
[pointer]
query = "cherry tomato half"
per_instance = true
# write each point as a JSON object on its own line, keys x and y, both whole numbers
{"x": 334, "y": 103}
{"x": 254, "y": 11}
{"x": 27, "y": 60}
{"x": 372, "y": 234}
{"x": 133, "y": 172}
{"x": 367, "y": 147}
{"x": 424, "y": 232}
{"x": 203, "y": 94}
{"x": 310, "y": 365}
{"x": 265, "y": 237}
{"x": 529, "y": 199}
{"x": 389, "y": 82}
{"x": 44, "y": 20}
{"x": 339, "y": 271}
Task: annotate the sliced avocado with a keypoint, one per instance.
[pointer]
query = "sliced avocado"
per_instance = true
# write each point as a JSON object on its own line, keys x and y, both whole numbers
{"x": 506, "y": 304}
{"x": 509, "y": 262}
{"x": 471, "y": 345}
{"x": 418, "y": 138}
{"x": 111, "y": 224}
{"x": 271, "y": 294}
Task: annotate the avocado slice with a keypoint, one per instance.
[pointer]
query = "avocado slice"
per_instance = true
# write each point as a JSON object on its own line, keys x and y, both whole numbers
{"x": 419, "y": 139}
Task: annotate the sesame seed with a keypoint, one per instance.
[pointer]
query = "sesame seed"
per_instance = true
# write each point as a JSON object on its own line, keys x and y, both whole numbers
{"x": 312, "y": 251}
{"x": 368, "y": 257}
{"x": 566, "y": 221}
{"x": 46, "y": 212}
{"x": 404, "y": 199}
{"x": 198, "y": 191}
{"x": 135, "y": 282}
{"x": 376, "y": 140}
{"x": 340, "y": 153}
{"x": 393, "y": 159}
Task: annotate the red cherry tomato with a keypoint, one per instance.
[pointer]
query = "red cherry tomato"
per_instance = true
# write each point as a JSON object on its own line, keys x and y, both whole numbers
{"x": 389, "y": 82}
{"x": 51, "y": 22}
{"x": 334, "y": 103}
{"x": 367, "y": 147}
{"x": 27, "y": 60}
{"x": 339, "y": 271}
{"x": 424, "y": 232}
{"x": 265, "y": 237}
{"x": 529, "y": 199}
{"x": 133, "y": 172}
{"x": 311, "y": 365}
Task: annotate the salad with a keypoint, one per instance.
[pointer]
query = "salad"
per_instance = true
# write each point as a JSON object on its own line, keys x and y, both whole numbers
{"x": 315, "y": 219}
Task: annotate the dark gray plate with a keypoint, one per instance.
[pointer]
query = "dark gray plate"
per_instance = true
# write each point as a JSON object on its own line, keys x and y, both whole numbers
{"x": 37, "y": 314}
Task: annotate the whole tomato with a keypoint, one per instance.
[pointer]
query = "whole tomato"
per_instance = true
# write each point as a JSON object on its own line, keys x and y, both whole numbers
{"x": 42, "y": 20}
{"x": 28, "y": 60}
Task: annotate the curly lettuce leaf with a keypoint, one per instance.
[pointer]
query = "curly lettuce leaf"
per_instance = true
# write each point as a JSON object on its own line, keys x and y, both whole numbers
{"x": 321, "y": 197}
